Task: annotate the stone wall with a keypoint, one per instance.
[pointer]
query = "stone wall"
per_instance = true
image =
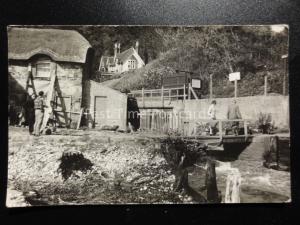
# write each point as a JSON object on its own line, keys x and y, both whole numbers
{"x": 69, "y": 76}
{"x": 250, "y": 107}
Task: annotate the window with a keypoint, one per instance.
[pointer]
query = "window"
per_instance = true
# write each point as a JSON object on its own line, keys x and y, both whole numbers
{"x": 131, "y": 64}
{"x": 43, "y": 69}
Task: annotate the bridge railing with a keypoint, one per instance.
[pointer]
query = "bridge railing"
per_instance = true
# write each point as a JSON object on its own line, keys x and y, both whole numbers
{"x": 168, "y": 121}
{"x": 203, "y": 124}
{"x": 164, "y": 94}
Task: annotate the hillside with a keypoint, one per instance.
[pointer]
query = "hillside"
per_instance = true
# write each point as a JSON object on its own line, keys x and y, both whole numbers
{"x": 253, "y": 51}
{"x": 218, "y": 50}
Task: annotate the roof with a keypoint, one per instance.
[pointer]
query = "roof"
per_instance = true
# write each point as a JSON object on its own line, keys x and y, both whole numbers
{"x": 60, "y": 45}
{"x": 122, "y": 57}
{"x": 107, "y": 60}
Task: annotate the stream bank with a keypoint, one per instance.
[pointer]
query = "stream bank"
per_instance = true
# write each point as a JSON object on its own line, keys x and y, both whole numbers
{"x": 126, "y": 168}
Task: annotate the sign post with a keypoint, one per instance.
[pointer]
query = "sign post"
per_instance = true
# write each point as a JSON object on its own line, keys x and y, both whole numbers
{"x": 284, "y": 57}
{"x": 235, "y": 77}
{"x": 210, "y": 86}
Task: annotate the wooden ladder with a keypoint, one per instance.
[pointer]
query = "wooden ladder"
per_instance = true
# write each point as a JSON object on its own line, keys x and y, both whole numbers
{"x": 53, "y": 89}
{"x": 29, "y": 82}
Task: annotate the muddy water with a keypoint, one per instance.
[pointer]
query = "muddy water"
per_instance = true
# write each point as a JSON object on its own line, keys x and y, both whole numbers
{"x": 255, "y": 187}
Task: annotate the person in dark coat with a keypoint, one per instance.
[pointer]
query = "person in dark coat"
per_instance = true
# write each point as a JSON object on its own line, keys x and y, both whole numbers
{"x": 233, "y": 113}
{"x": 29, "y": 112}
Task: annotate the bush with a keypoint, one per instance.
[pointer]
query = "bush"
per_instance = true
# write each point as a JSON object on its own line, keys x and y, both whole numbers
{"x": 264, "y": 123}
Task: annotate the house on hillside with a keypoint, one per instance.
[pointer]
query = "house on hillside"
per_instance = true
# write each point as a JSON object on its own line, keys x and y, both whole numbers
{"x": 121, "y": 61}
{"x": 43, "y": 52}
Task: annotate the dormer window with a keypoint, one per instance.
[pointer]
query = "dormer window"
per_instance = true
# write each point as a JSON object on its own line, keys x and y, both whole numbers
{"x": 42, "y": 68}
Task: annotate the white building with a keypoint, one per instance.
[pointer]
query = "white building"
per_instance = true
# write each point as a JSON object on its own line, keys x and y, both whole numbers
{"x": 121, "y": 61}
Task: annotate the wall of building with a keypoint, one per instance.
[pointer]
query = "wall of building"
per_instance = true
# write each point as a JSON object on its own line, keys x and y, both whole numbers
{"x": 69, "y": 76}
{"x": 70, "y": 82}
{"x": 116, "y": 109}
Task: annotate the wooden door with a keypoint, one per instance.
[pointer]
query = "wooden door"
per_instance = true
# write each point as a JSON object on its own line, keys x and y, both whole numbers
{"x": 100, "y": 114}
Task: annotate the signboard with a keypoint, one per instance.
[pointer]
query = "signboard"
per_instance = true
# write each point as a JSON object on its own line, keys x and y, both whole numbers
{"x": 234, "y": 76}
{"x": 196, "y": 83}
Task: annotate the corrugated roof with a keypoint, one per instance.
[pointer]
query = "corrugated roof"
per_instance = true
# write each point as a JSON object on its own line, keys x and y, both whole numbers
{"x": 60, "y": 45}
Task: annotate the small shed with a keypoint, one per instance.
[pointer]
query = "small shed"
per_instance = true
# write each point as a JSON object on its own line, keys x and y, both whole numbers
{"x": 107, "y": 107}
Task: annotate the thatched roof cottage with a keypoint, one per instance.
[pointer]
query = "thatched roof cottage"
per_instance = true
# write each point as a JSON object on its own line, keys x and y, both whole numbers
{"x": 45, "y": 51}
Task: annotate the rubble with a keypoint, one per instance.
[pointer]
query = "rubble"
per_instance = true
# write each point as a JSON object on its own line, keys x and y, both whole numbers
{"x": 122, "y": 171}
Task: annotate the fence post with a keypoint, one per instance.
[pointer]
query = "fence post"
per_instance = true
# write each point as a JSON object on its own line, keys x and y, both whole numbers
{"x": 266, "y": 85}
{"x": 235, "y": 88}
{"x": 245, "y": 129}
{"x": 210, "y": 86}
{"x": 162, "y": 96}
{"x": 143, "y": 100}
{"x": 184, "y": 95}
{"x": 189, "y": 91}
{"x": 220, "y": 130}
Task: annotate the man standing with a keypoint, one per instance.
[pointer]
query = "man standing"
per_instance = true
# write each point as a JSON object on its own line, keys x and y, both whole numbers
{"x": 212, "y": 115}
{"x": 39, "y": 113}
{"x": 234, "y": 113}
{"x": 29, "y": 112}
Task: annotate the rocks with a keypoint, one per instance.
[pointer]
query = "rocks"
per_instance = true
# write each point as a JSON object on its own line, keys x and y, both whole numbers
{"x": 15, "y": 198}
{"x": 123, "y": 171}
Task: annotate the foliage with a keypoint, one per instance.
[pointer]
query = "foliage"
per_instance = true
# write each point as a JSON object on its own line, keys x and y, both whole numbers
{"x": 264, "y": 123}
{"x": 253, "y": 50}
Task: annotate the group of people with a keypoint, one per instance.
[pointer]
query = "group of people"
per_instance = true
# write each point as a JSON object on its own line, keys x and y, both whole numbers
{"x": 233, "y": 113}
{"x": 31, "y": 114}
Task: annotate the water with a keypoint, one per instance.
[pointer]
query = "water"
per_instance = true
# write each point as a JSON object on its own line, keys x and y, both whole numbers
{"x": 254, "y": 188}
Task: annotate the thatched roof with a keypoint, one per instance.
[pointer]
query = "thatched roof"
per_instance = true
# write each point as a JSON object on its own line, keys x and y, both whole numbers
{"x": 60, "y": 45}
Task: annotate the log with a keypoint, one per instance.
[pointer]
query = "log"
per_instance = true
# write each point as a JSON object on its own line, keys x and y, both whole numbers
{"x": 271, "y": 153}
{"x": 213, "y": 195}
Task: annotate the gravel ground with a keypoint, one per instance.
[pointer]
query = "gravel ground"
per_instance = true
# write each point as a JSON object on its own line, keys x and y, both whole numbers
{"x": 127, "y": 168}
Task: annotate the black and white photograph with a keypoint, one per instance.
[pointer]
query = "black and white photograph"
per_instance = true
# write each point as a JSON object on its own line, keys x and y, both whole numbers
{"x": 108, "y": 114}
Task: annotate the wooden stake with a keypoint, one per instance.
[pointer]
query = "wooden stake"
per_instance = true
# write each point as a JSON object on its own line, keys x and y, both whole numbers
{"x": 143, "y": 100}
{"x": 162, "y": 96}
{"x": 210, "y": 86}
{"x": 211, "y": 183}
{"x": 266, "y": 85}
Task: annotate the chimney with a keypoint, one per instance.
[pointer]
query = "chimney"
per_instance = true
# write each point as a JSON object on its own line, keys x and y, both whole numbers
{"x": 115, "y": 50}
{"x": 137, "y": 46}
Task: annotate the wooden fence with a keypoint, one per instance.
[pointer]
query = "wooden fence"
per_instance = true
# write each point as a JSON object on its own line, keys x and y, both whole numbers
{"x": 168, "y": 121}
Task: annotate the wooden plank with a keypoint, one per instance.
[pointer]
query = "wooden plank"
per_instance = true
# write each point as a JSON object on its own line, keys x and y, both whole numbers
{"x": 194, "y": 93}
{"x": 79, "y": 120}
{"x": 48, "y": 109}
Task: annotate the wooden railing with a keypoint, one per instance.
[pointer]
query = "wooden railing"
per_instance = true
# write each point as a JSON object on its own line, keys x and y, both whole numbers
{"x": 220, "y": 123}
{"x": 164, "y": 94}
{"x": 170, "y": 121}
